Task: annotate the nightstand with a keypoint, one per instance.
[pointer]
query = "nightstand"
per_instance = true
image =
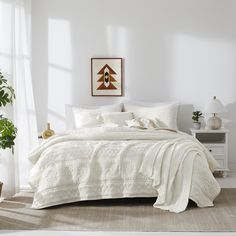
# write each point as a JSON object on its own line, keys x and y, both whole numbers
{"x": 216, "y": 141}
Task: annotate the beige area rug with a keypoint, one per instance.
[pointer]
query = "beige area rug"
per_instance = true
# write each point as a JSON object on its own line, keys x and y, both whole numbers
{"x": 119, "y": 215}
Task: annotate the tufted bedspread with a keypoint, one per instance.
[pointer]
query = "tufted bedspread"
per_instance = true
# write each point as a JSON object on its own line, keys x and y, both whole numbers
{"x": 102, "y": 163}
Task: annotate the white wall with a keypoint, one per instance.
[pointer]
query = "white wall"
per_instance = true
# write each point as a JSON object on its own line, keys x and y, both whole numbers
{"x": 181, "y": 50}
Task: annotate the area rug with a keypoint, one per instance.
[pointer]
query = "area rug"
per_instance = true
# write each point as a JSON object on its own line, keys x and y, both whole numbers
{"x": 135, "y": 214}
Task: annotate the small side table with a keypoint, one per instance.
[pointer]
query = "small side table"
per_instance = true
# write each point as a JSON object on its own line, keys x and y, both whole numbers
{"x": 216, "y": 141}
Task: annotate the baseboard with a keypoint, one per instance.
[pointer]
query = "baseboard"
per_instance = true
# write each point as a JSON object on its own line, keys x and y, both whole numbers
{"x": 26, "y": 188}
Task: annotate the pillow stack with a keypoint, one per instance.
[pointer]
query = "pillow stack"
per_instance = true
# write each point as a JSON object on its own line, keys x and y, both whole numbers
{"x": 160, "y": 115}
{"x": 78, "y": 117}
{"x": 164, "y": 112}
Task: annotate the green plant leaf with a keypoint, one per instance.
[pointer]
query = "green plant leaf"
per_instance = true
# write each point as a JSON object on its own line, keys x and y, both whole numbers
{"x": 7, "y": 133}
{"x": 7, "y": 93}
{"x": 7, "y": 129}
{"x": 196, "y": 116}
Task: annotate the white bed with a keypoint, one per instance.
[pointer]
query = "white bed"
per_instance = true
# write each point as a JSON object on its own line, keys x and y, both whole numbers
{"x": 117, "y": 162}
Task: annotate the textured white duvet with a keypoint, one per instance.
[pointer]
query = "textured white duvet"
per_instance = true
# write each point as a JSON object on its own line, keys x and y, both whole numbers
{"x": 99, "y": 163}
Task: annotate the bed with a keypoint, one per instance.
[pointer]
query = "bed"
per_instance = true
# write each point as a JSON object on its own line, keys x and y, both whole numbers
{"x": 123, "y": 161}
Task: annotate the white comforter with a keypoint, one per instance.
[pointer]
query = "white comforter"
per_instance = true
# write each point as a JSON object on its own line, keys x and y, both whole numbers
{"x": 99, "y": 163}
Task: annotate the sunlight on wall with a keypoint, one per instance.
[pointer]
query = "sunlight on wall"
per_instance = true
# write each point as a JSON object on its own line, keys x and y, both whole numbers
{"x": 59, "y": 43}
{"x": 59, "y": 70}
{"x": 117, "y": 40}
{"x": 117, "y": 45}
{"x": 202, "y": 65}
{"x": 58, "y": 91}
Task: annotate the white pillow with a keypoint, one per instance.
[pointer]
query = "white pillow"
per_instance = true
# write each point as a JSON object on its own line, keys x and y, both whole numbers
{"x": 73, "y": 111}
{"x": 87, "y": 119}
{"x": 166, "y": 113}
{"x": 116, "y": 118}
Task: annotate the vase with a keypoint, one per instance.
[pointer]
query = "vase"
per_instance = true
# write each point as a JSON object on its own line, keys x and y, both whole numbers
{"x": 196, "y": 125}
{"x": 7, "y": 173}
{"x": 48, "y": 132}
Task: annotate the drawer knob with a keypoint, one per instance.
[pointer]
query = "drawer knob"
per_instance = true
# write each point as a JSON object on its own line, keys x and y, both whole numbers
{"x": 210, "y": 150}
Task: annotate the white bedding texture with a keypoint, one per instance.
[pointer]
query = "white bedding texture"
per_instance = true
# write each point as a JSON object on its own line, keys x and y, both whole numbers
{"x": 117, "y": 162}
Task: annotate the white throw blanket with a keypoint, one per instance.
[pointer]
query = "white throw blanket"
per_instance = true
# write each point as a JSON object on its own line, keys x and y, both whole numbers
{"x": 117, "y": 162}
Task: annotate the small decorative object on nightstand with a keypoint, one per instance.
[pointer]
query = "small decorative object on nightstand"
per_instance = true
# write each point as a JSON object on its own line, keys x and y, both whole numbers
{"x": 216, "y": 141}
{"x": 214, "y": 107}
{"x": 48, "y": 132}
{"x": 195, "y": 117}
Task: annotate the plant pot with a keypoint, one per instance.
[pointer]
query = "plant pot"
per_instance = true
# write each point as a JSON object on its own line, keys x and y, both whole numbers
{"x": 7, "y": 176}
{"x": 1, "y": 184}
{"x": 196, "y": 125}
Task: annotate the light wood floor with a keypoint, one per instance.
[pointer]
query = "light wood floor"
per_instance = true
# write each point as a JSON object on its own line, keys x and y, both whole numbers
{"x": 229, "y": 182}
{"x": 133, "y": 215}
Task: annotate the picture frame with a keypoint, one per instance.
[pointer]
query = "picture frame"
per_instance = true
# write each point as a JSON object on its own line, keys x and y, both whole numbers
{"x": 106, "y": 77}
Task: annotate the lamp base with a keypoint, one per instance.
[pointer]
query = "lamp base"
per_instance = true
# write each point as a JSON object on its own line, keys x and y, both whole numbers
{"x": 214, "y": 123}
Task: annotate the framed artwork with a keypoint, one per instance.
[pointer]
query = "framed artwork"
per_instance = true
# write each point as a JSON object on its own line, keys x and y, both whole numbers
{"x": 106, "y": 77}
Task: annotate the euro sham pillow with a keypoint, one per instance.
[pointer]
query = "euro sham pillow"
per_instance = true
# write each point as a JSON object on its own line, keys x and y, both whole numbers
{"x": 116, "y": 118}
{"x": 73, "y": 114}
{"x": 166, "y": 112}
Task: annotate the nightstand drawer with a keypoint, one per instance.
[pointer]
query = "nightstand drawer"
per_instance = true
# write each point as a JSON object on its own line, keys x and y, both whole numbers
{"x": 216, "y": 150}
{"x": 216, "y": 142}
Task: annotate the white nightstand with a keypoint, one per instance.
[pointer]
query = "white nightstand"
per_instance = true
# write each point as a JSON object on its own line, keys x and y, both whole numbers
{"x": 216, "y": 141}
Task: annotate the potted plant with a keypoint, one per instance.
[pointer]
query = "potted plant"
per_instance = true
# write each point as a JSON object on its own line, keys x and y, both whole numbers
{"x": 195, "y": 117}
{"x": 7, "y": 129}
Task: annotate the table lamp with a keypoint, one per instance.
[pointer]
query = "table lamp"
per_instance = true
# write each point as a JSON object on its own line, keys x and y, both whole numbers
{"x": 215, "y": 107}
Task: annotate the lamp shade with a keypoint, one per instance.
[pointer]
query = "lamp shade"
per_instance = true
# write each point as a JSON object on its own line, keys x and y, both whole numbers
{"x": 214, "y": 106}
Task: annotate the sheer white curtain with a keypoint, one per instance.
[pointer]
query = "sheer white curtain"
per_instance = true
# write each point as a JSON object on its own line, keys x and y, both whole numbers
{"x": 15, "y": 60}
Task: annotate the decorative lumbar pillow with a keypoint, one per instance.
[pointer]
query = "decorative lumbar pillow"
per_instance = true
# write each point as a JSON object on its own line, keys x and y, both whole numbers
{"x": 147, "y": 123}
{"x": 72, "y": 112}
{"x": 165, "y": 113}
{"x": 116, "y": 118}
{"x": 135, "y": 123}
